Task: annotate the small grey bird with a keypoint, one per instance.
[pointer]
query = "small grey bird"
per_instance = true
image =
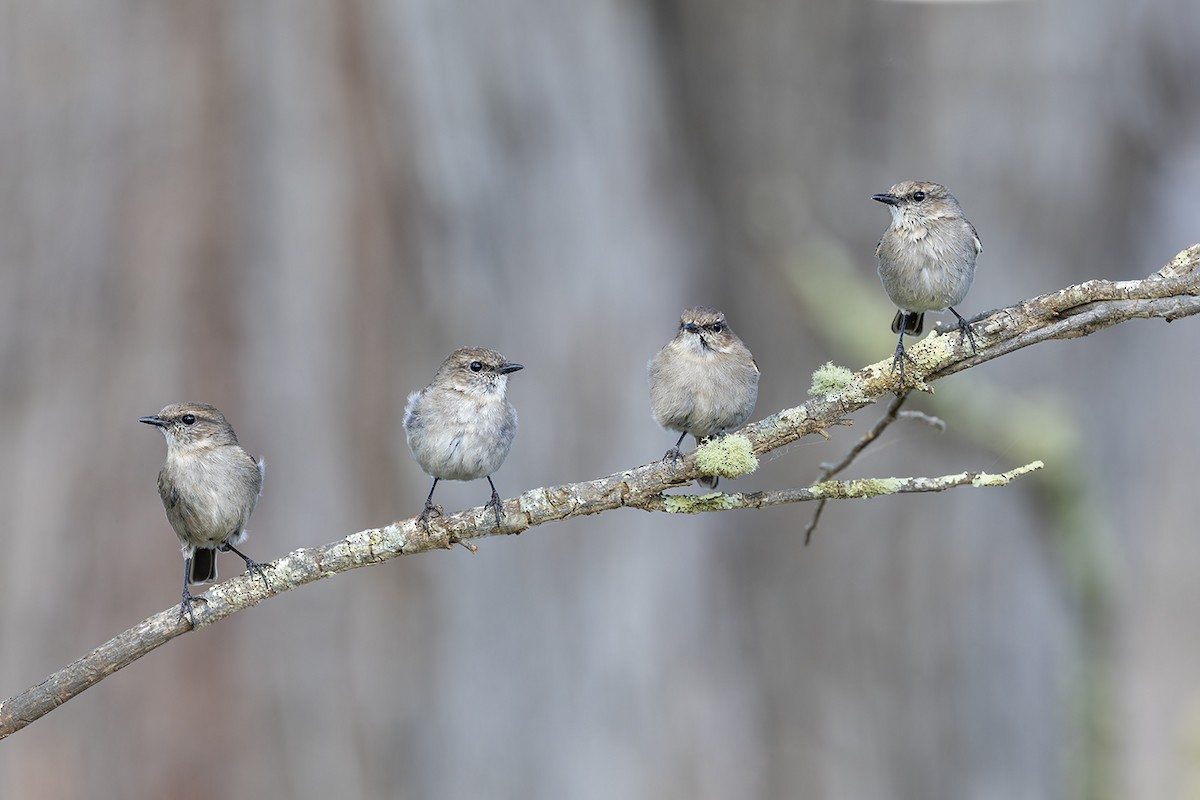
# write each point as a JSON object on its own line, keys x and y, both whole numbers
{"x": 703, "y": 382}
{"x": 209, "y": 486}
{"x": 461, "y": 426}
{"x": 926, "y": 258}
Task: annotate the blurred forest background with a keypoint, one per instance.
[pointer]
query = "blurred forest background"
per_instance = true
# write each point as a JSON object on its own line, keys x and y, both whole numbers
{"x": 294, "y": 211}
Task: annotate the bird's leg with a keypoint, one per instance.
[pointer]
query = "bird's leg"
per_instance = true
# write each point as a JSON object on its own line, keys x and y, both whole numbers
{"x": 674, "y": 454}
{"x": 964, "y": 329}
{"x": 252, "y": 566}
{"x": 494, "y": 503}
{"x": 186, "y": 603}
{"x": 429, "y": 506}
{"x": 900, "y": 356}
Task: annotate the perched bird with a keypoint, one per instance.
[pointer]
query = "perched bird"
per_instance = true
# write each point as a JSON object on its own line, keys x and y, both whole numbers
{"x": 461, "y": 426}
{"x": 926, "y": 258}
{"x": 209, "y": 486}
{"x": 703, "y": 382}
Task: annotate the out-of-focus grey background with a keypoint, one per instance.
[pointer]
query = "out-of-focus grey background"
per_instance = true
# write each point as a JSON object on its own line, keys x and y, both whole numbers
{"x": 295, "y": 211}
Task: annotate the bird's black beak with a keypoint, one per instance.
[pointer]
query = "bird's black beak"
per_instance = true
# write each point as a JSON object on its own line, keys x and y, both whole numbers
{"x": 154, "y": 420}
{"x": 890, "y": 199}
{"x": 504, "y": 369}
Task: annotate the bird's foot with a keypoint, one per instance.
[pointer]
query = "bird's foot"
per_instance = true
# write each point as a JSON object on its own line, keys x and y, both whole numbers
{"x": 252, "y": 566}
{"x": 495, "y": 505}
{"x": 899, "y": 358}
{"x": 185, "y": 605}
{"x": 964, "y": 331}
{"x": 430, "y": 508}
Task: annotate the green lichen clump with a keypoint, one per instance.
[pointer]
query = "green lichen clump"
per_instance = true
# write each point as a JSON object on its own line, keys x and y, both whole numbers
{"x": 726, "y": 456}
{"x": 867, "y": 487}
{"x": 830, "y": 379}
{"x": 695, "y": 504}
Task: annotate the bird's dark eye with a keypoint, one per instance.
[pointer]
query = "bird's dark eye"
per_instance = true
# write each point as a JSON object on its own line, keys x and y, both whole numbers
{"x": 691, "y": 327}
{"x": 188, "y": 419}
{"x": 918, "y": 196}
{"x": 476, "y": 366}
{"x": 717, "y": 327}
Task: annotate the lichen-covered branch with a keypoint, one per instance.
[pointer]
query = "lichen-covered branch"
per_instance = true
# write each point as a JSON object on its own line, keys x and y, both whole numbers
{"x": 842, "y": 490}
{"x": 1170, "y": 294}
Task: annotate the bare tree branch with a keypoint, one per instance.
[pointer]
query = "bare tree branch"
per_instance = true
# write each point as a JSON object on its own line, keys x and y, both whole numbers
{"x": 1170, "y": 294}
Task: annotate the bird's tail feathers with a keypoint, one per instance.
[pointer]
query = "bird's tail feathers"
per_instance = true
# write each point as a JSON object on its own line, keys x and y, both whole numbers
{"x": 204, "y": 566}
{"x": 914, "y": 324}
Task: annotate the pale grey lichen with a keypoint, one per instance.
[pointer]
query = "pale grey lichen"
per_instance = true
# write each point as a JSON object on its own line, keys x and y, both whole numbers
{"x": 695, "y": 504}
{"x": 727, "y": 456}
{"x": 865, "y": 487}
{"x": 830, "y": 379}
{"x": 987, "y": 479}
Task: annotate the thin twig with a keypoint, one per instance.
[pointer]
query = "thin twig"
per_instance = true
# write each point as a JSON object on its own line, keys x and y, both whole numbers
{"x": 843, "y": 490}
{"x": 828, "y": 471}
{"x": 920, "y": 416}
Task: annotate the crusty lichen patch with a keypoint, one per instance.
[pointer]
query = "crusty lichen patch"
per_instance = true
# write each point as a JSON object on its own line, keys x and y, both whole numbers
{"x": 867, "y": 487}
{"x": 1004, "y": 478}
{"x": 792, "y": 416}
{"x": 726, "y": 456}
{"x": 695, "y": 504}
